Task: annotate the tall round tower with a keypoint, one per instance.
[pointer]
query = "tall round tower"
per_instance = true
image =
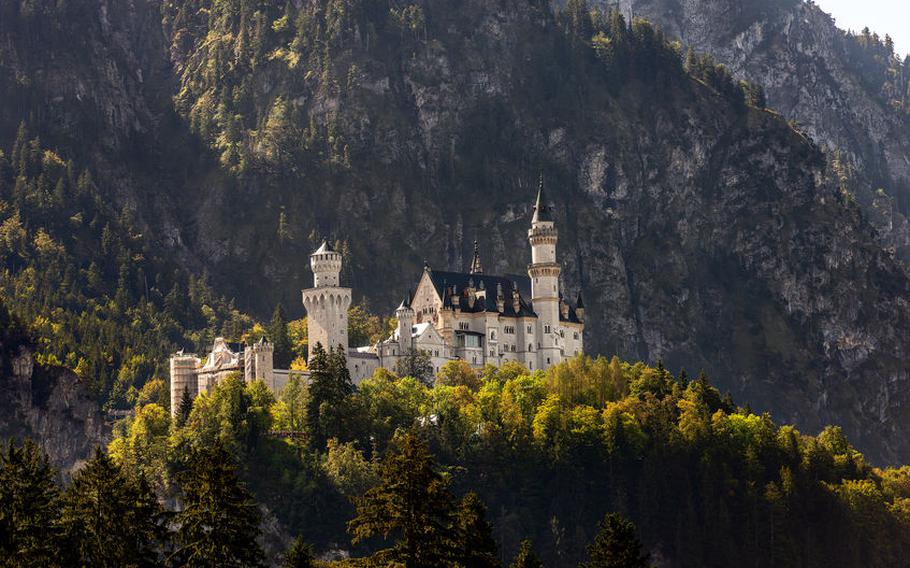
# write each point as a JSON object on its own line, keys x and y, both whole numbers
{"x": 405, "y": 315}
{"x": 544, "y": 272}
{"x": 183, "y": 378}
{"x": 327, "y": 302}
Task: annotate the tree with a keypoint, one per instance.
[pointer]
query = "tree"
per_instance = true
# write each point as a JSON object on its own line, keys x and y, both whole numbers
{"x": 219, "y": 523}
{"x": 111, "y": 519}
{"x": 526, "y": 558}
{"x": 616, "y": 545}
{"x": 298, "y": 555}
{"x": 186, "y": 406}
{"x": 412, "y": 502}
{"x": 415, "y": 363}
{"x": 330, "y": 386}
{"x": 29, "y": 508}
{"x": 475, "y": 547}
{"x": 458, "y": 373}
{"x": 281, "y": 340}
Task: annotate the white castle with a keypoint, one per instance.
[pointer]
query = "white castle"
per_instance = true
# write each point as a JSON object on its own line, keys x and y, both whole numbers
{"x": 470, "y": 316}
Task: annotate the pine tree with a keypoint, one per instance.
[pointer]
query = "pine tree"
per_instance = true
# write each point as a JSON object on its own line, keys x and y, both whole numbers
{"x": 281, "y": 341}
{"x": 330, "y": 385}
{"x": 185, "y": 408}
{"x": 111, "y": 519}
{"x": 526, "y": 558}
{"x": 616, "y": 545}
{"x": 412, "y": 502}
{"x": 416, "y": 364}
{"x": 219, "y": 523}
{"x": 299, "y": 555}
{"x": 475, "y": 546}
{"x": 29, "y": 508}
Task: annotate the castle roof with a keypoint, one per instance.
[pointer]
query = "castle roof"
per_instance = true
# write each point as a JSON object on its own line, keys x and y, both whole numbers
{"x": 325, "y": 247}
{"x": 542, "y": 209}
{"x": 444, "y": 282}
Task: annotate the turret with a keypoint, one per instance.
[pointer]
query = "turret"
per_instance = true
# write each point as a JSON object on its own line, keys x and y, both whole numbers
{"x": 405, "y": 316}
{"x": 183, "y": 378}
{"x": 580, "y": 308}
{"x": 544, "y": 272}
{"x": 326, "y": 265}
{"x": 258, "y": 363}
{"x": 476, "y": 267}
{"x": 327, "y": 302}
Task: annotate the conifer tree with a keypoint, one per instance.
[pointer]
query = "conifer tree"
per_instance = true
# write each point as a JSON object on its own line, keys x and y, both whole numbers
{"x": 299, "y": 555}
{"x": 185, "y": 408}
{"x": 413, "y": 503}
{"x": 330, "y": 385}
{"x": 526, "y": 558}
{"x": 475, "y": 545}
{"x": 111, "y": 519}
{"x": 281, "y": 341}
{"x": 219, "y": 523}
{"x": 29, "y": 508}
{"x": 616, "y": 545}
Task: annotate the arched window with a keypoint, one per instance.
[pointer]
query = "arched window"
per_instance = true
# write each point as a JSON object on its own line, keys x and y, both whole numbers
{"x": 530, "y": 347}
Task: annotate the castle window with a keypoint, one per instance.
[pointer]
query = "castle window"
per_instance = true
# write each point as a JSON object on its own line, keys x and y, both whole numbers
{"x": 492, "y": 334}
{"x": 546, "y": 328}
{"x": 548, "y": 360}
{"x": 509, "y": 329}
{"x": 530, "y": 329}
{"x": 575, "y": 336}
{"x": 562, "y": 333}
{"x": 492, "y": 353}
{"x": 463, "y": 326}
{"x": 513, "y": 349}
{"x": 530, "y": 347}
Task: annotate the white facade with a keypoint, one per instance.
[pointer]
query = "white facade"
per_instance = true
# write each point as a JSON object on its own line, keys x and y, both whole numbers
{"x": 470, "y": 316}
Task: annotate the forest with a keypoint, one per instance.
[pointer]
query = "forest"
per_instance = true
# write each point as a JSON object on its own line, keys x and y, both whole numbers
{"x": 502, "y": 458}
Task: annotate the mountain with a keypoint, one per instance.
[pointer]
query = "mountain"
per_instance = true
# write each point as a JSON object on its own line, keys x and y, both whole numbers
{"x": 849, "y": 90}
{"x": 703, "y": 229}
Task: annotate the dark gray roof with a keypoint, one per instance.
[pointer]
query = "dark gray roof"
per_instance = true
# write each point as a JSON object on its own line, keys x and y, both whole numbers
{"x": 542, "y": 209}
{"x": 443, "y": 280}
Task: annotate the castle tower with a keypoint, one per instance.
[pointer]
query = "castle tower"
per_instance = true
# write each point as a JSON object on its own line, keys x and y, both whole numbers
{"x": 405, "y": 316}
{"x": 258, "y": 363}
{"x": 476, "y": 267}
{"x": 544, "y": 272}
{"x": 183, "y": 377}
{"x": 327, "y": 302}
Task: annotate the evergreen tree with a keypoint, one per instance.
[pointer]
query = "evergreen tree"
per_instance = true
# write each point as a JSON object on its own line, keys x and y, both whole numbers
{"x": 526, "y": 558}
{"x": 417, "y": 364}
{"x": 185, "y": 408}
{"x": 219, "y": 523}
{"x": 299, "y": 555}
{"x": 616, "y": 545}
{"x": 278, "y": 335}
{"x": 330, "y": 386}
{"x": 412, "y": 502}
{"x": 111, "y": 519}
{"x": 475, "y": 546}
{"x": 29, "y": 508}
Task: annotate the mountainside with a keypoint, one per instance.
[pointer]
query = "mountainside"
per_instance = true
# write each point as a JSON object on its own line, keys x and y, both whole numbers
{"x": 849, "y": 91}
{"x": 702, "y": 229}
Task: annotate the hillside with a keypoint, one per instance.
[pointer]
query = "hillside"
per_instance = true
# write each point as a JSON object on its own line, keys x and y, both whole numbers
{"x": 703, "y": 230}
{"x": 850, "y": 91}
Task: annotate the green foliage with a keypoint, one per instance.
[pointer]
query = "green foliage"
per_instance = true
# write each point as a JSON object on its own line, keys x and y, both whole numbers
{"x": 219, "y": 522}
{"x": 94, "y": 295}
{"x": 299, "y": 555}
{"x": 616, "y": 545}
{"x": 110, "y": 519}
{"x": 417, "y": 364}
{"x": 413, "y": 503}
{"x": 458, "y": 373}
{"x": 281, "y": 340}
{"x": 526, "y": 558}
{"x": 329, "y": 390}
{"x": 29, "y": 508}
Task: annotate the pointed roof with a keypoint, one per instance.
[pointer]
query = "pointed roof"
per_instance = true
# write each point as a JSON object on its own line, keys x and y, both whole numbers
{"x": 406, "y": 302}
{"x": 542, "y": 207}
{"x": 476, "y": 267}
{"x": 325, "y": 247}
{"x": 580, "y": 303}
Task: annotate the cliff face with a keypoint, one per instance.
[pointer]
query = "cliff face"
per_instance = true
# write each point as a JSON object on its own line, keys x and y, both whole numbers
{"x": 52, "y": 406}
{"x": 817, "y": 75}
{"x": 703, "y": 233}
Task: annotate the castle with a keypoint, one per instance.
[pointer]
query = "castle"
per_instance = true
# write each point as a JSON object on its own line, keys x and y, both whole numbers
{"x": 469, "y": 316}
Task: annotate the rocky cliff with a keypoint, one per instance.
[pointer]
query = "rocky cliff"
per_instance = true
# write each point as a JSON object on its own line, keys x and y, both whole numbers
{"x": 847, "y": 90}
{"x": 704, "y": 232}
{"x": 51, "y": 405}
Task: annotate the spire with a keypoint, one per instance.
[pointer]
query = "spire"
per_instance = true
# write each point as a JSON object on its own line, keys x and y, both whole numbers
{"x": 476, "y": 267}
{"x": 541, "y": 208}
{"x": 326, "y": 247}
{"x": 580, "y": 303}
